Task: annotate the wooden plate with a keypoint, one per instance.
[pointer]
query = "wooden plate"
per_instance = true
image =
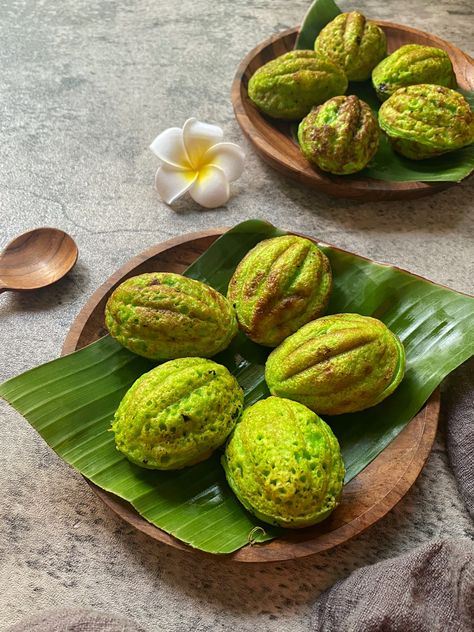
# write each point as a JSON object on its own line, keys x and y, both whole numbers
{"x": 272, "y": 139}
{"x": 366, "y": 499}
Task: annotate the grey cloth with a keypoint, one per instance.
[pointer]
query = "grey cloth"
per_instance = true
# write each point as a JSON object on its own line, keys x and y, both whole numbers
{"x": 458, "y": 410}
{"x": 430, "y": 589}
{"x": 75, "y": 621}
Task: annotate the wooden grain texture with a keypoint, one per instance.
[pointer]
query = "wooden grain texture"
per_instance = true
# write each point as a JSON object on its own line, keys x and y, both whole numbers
{"x": 36, "y": 259}
{"x": 366, "y": 499}
{"x": 272, "y": 139}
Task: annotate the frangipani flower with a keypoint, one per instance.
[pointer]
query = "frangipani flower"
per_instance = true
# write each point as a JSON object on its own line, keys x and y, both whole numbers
{"x": 196, "y": 159}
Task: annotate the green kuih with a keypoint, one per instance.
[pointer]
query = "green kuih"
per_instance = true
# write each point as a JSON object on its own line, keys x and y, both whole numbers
{"x": 410, "y": 65}
{"x": 337, "y": 364}
{"x": 281, "y": 284}
{"x": 287, "y": 87}
{"x": 340, "y": 136}
{"x": 162, "y": 315}
{"x": 284, "y": 464}
{"x": 177, "y": 414}
{"x": 427, "y": 120}
{"x": 353, "y": 43}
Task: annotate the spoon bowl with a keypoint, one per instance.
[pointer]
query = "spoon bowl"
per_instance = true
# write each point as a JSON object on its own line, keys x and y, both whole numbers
{"x": 36, "y": 259}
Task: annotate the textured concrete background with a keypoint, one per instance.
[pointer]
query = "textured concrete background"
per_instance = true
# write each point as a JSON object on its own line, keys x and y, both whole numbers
{"x": 85, "y": 86}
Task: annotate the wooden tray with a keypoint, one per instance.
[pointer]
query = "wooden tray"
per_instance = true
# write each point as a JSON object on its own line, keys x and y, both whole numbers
{"x": 273, "y": 141}
{"x": 366, "y": 499}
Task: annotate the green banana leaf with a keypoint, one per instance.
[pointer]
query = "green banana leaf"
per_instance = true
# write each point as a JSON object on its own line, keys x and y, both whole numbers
{"x": 71, "y": 401}
{"x": 320, "y": 13}
{"x": 387, "y": 164}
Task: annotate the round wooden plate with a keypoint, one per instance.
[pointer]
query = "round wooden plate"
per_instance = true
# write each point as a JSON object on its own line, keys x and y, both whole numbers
{"x": 272, "y": 139}
{"x": 366, "y": 499}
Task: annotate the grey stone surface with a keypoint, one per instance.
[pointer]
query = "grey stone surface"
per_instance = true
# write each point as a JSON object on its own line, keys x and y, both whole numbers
{"x": 85, "y": 86}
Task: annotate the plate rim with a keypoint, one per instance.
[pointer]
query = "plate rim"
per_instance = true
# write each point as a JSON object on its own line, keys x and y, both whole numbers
{"x": 278, "y": 549}
{"x": 365, "y": 189}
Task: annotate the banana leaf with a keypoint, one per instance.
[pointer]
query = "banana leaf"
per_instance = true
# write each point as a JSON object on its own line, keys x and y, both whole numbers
{"x": 387, "y": 164}
{"x": 71, "y": 401}
{"x": 320, "y": 13}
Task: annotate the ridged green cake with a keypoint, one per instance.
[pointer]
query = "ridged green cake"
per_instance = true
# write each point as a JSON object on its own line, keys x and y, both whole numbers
{"x": 162, "y": 315}
{"x": 427, "y": 120}
{"x": 284, "y": 464}
{"x": 337, "y": 364}
{"x": 177, "y": 414}
{"x": 354, "y": 43}
{"x": 287, "y": 87}
{"x": 281, "y": 284}
{"x": 340, "y": 136}
{"x": 410, "y": 65}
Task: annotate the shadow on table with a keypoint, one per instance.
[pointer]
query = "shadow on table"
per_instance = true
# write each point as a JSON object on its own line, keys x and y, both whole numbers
{"x": 431, "y": 214}
{"x": 64, "y": 291}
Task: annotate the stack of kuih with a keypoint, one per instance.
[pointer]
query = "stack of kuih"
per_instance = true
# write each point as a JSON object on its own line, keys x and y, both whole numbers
{"x": 281, "y": 459}
{"x": 421, "y": 114}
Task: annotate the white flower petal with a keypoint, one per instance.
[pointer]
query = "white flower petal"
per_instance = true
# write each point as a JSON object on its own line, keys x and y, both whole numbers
{"x": 198, "y": 137}
{"x": 172, "y": 183}
{"x": 211, "y": 188}
{"x": 169, "y": 147}
{"x": 229, "y": 157}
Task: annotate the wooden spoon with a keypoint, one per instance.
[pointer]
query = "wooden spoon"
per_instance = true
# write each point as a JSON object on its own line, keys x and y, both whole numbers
{"x": 36, "y": 259}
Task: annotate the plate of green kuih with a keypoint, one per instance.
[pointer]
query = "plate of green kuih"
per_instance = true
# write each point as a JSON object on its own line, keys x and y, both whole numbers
{"x": 71, "y": 402}
{"x": 388, "y": 176}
